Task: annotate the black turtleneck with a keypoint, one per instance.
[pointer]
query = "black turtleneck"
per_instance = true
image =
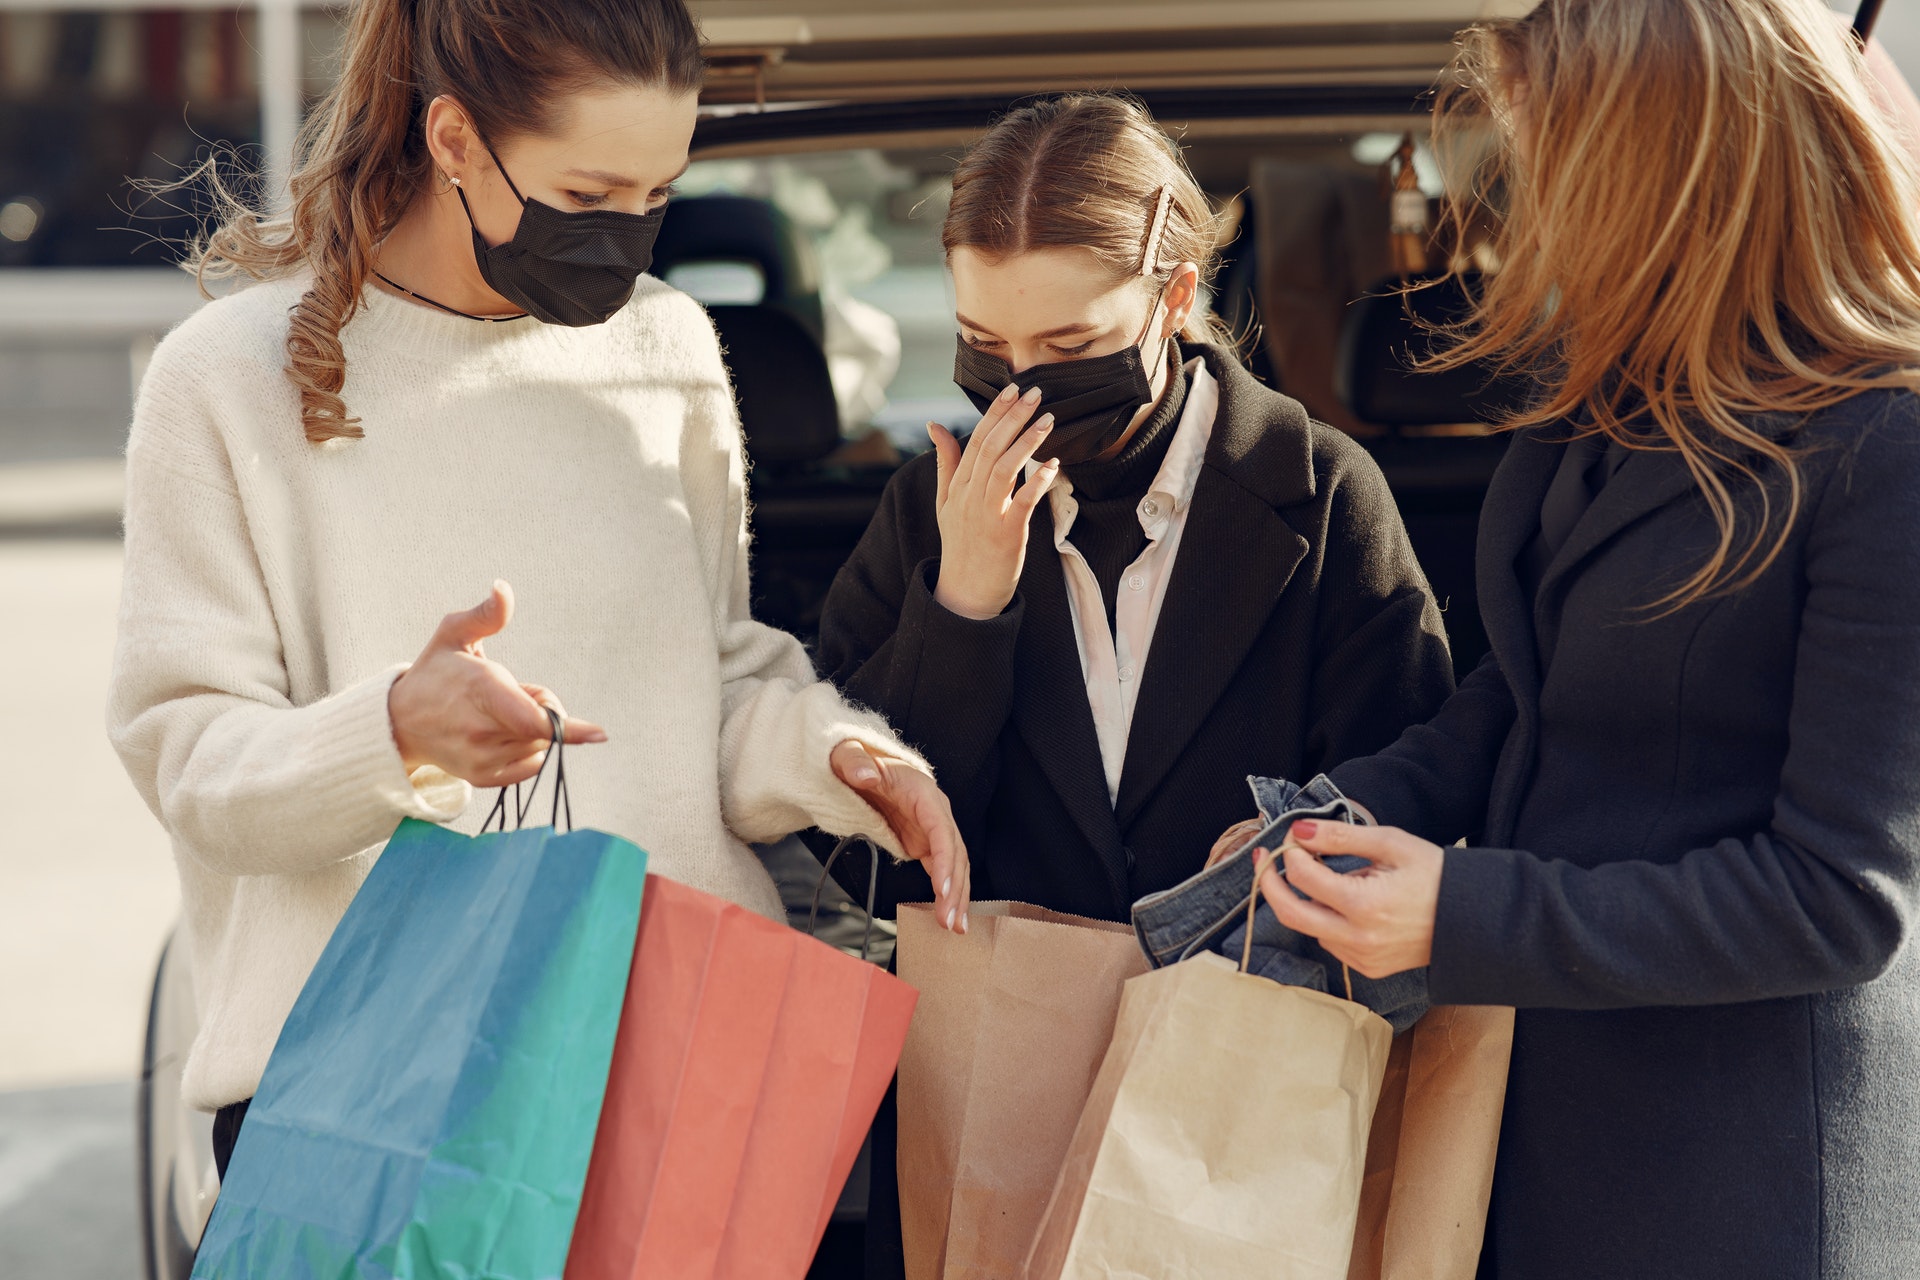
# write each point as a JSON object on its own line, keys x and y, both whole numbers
{"x": 1106, "y": 528}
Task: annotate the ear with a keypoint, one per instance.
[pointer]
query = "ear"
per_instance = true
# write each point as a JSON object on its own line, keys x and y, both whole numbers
{"x": 452, "y": 140}
{"x": 1182, "y": 295}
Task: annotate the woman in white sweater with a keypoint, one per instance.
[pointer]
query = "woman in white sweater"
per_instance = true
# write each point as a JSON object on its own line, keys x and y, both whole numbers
{"x": 451, "y": 372}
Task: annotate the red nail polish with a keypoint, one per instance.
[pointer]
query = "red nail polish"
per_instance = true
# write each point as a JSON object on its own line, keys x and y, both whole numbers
{"x": 1306, "y": 829}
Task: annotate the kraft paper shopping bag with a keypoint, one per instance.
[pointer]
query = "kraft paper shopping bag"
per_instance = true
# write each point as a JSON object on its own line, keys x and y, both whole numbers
{"x": 1014, "y": 1018}
{"x": 1225, "y": 1137}
{"x": 1429, "y": 1177}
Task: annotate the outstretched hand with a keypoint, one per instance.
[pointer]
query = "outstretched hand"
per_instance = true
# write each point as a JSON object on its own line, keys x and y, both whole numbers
{"x": 459, "y": 711}
{"x": 922, "y": 821}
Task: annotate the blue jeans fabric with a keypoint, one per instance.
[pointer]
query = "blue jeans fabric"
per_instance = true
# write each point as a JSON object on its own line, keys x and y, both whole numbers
{"x": 1209, "y": 912}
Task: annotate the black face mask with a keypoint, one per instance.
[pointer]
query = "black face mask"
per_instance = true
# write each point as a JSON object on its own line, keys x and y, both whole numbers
{"x": 574, "y": 269}
{"x": 1092, "y": 401}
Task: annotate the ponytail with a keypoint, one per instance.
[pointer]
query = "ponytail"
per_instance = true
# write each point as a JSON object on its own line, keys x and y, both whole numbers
{"x": 362, "y": 156}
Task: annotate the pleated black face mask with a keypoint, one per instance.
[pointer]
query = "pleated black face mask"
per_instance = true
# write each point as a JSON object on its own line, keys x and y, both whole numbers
{"x": 1092, "y": 401}
{"x": 574, "y": 269}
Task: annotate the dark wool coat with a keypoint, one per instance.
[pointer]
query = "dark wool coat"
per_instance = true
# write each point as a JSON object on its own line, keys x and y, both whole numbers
{"x": 1696, "y": 871}
{"x": 1297, "y": 632}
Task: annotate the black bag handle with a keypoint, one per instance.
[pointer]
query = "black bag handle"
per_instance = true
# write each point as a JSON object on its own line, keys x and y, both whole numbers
{"x": 873, "y": 886}
{"x": 562, "y": 802}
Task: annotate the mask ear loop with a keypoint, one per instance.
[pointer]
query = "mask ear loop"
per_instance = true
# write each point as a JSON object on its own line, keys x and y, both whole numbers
{"x": 461, "y": 191}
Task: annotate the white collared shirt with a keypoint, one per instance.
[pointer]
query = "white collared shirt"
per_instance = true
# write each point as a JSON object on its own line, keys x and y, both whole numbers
{"x": 1113, "y": 663}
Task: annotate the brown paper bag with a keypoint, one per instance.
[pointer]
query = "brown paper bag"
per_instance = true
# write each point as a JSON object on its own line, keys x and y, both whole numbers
{"x": 1423, "y": 1205}
{"x": 1225, "y": 1135}
{"x": 1013, "y": 1019}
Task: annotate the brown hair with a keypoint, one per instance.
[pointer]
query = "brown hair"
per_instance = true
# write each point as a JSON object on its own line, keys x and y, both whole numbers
{"x": 362, "y": 155}
{"x": 1706, "y": 219}
{"x": 1086, "y": 170}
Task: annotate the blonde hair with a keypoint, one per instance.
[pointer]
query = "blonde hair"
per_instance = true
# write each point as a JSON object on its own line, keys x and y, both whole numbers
{"x": 1706, "y": 217}
{"x": 363, "y": 154}
{"x": 1091, "y": 171}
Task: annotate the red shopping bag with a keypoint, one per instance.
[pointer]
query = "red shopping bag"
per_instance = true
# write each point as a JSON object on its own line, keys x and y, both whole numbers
{"x": 749, "y": 1064}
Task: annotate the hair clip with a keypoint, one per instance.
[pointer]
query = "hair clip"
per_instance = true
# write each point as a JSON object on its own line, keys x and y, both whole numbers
{"x": 1151, "y": 254}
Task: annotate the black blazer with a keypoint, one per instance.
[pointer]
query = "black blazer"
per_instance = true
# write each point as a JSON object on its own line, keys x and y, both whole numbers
{"x": 1698, "y": 869}
{"x": 1297, "y": 631}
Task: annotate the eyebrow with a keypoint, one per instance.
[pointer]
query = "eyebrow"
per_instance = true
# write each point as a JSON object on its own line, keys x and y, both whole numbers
{"x": 1064, "y": 331}
{"x": 606, "y": 179}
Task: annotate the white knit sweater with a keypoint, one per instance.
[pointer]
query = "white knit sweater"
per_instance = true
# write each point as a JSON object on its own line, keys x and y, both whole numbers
{"x": 274, "y": 588}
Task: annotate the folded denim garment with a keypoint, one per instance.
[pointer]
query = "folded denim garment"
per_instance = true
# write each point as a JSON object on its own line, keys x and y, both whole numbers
{"x": 1209, "y": 911}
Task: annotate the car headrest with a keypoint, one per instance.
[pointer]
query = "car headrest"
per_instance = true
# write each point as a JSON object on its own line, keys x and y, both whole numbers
{"x": 780, "y": 378}
{"x": 722, "y": 228}
{"x": 1385, "y": 333}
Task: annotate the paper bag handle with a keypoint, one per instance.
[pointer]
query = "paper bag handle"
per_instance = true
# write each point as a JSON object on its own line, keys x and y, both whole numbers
{"x": 1265, "y": 859}
{"x": 562, "y": 802}
{"x": 873, "y": 886}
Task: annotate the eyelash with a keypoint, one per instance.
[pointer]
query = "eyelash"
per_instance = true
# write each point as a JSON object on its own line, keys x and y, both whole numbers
{"x": 1064, "y": 351}
{"x": 592, "y": 200}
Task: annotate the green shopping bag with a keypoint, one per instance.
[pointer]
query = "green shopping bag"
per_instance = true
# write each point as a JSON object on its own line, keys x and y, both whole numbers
{"x": 430, "y": 1106}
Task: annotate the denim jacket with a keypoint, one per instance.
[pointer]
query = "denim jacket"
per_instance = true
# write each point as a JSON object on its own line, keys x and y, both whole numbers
{"x": 1209, "y": 911}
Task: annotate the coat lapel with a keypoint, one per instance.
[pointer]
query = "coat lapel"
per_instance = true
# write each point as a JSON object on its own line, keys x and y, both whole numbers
{"x": 1508, "y": 520}
{"x": 1050, "y": 705}
{"x": 1236, "y": 556}
{"x": 1646, "y": 481}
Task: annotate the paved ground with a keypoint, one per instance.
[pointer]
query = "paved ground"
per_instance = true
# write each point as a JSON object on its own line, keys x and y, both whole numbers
{"x": 87, "y": 894}
{"x": 67, "y": 1201}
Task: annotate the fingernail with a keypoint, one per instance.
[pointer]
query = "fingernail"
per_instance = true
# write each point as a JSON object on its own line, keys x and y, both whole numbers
{"x": 946, "y": 886}
{"x": 865, "y": 773}
{"x": 598, "y": 735}
{"x": 949, "y": 917}
{"x": 1009, "y": 392}
{"x": 963, "y": 923}
{"x": 1032, "y": 396}
{"x": 1045, "y": 424}
{"x": 1306, "y": 828}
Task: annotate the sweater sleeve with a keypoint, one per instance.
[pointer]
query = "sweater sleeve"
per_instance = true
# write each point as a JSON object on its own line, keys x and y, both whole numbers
{"x": 779, "y": 721}
{"x": 1381, "y": 653}
{"x": 199, "y": 708}
{"x": 1826, "y": 895}
{"x": 945, "y": 681}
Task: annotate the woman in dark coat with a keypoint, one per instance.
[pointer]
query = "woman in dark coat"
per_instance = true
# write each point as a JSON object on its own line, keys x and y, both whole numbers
{"x": 1689, "y": 773}
{"x": 1200, "y": 584}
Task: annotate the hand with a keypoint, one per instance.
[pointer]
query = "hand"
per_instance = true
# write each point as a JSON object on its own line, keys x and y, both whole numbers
{"x": 1378, "y": 920}
{"x": 469, "y": 717}
{"x": 922, "y": 820}
{"x": 983, "y": 517}
{"x": 1234, "y": 836}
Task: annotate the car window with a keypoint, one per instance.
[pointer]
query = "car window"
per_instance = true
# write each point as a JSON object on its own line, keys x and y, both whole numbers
{"x": 872, "y": 219}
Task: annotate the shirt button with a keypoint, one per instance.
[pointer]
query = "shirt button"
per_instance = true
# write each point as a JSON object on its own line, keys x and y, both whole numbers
{"x": 1137, "y": 582}
{"x": 1126, "y": 672}
{"x": 1150, "y": 509}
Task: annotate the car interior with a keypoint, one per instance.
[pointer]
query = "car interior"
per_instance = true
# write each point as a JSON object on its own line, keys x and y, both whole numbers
{"x": 820, "y": 265}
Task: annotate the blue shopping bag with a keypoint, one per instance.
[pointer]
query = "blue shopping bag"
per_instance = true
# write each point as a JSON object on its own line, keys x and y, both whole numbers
{"x": 430, "y": 1106}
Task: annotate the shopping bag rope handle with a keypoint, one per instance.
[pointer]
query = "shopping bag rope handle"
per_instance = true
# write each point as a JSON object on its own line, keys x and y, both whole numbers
{"x": 1266, "y": 859}
{"x": 562, "y": 802}
{"x": 873, "y": 885}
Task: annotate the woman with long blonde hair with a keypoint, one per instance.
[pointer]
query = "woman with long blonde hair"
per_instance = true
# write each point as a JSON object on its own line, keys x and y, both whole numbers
{"x": 1688, "y": 776}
